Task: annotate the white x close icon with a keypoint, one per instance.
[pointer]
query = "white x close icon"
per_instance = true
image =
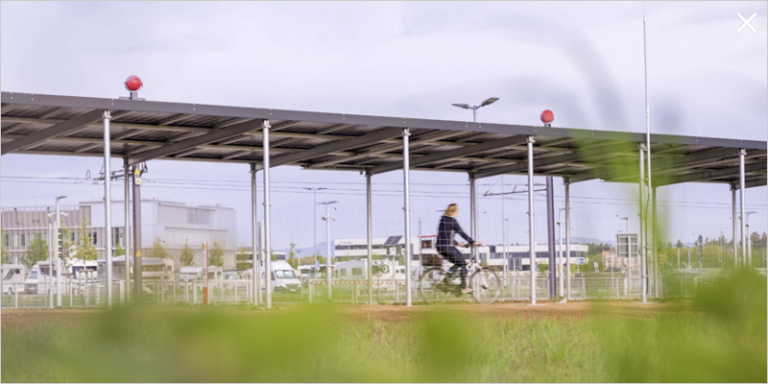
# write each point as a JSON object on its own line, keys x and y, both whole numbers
{"x": 746, "y": 22}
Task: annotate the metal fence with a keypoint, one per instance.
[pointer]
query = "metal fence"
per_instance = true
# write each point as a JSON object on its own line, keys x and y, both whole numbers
{"x": 89, "y": 293}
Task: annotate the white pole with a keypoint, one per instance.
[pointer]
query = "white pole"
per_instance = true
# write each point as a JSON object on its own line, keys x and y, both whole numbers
{"x": 742, "y": 203}
{"x": 255, "y": 268}
{"x": 56, "y": 252}
{"x": 407, "y": 202}
{"x": 643, "y": 252}
{"x": 328, "y": 257}
{"x": 560, "y": 251}
{"x": 369, "y": 235}
{"x": 568, "y": 236}
{"x": 503, "y": 234}
{"x": 50, "y": 269}
{"x": 127, "y": 231}
{"x": 734, "y": 218}
{"x": 108, "y": 206}
{"x": 531, "y": 237}
{"x": 267, "y": 226}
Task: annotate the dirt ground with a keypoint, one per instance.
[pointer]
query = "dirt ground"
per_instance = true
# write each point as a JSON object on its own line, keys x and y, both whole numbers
{"x": 10, "y": 319}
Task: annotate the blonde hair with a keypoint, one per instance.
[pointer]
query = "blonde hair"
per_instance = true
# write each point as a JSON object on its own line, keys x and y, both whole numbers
{"x": 452, "y": 208}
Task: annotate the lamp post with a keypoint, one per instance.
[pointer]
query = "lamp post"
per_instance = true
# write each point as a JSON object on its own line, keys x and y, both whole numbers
{"x": 476, "y": 107}
{"x": 314, "y": 219}
{"x": 328, "y": 219}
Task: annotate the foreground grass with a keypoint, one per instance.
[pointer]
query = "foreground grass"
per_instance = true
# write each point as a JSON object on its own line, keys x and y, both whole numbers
{"x": 723, "y": 341}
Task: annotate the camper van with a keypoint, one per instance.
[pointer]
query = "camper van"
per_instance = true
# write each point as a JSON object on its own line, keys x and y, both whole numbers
{"x": 13, "y": 278}
{"x": 190, "y": 274}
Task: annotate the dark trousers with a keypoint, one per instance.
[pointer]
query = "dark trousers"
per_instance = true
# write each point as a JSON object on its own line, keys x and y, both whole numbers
{"x": 457, "y": 259}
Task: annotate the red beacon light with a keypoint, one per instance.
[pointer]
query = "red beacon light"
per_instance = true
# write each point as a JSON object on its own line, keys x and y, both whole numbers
{"x": 547, "y": 117}
{"x": 133, "y": 84}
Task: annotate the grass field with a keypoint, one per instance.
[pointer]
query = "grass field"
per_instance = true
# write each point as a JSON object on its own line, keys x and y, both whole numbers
{"x": 719, "y": 337}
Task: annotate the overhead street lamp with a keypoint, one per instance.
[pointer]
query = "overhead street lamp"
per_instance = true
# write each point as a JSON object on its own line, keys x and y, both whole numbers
{"x": 314, "y": 219}
{"x": 476, "y": 107}
{"x": 328, "y": 219}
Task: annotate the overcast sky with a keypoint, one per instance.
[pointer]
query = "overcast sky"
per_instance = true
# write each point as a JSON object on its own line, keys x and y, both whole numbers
{"x": 583, "y": 60}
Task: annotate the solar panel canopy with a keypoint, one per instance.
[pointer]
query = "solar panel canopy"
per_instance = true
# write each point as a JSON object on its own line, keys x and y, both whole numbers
{"x": 147, "y": 130}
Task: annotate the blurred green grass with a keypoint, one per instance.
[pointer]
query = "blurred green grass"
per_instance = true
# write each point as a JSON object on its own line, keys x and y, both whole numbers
{"x": 723, "y": 339}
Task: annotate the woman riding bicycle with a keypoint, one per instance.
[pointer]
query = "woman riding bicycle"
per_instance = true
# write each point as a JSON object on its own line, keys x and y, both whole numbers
{"x": 446, "y": 245}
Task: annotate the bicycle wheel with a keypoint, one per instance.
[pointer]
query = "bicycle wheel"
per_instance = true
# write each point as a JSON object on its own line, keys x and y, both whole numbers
{"x": 435, "y": 285}
{"x": 487, "y": 286}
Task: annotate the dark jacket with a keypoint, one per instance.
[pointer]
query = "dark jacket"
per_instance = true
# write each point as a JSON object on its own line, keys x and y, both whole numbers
{"x": 447, "y": 229}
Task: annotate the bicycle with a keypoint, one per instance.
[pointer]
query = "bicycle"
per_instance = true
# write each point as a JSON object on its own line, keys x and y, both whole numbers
{"x": 438, "y": 283}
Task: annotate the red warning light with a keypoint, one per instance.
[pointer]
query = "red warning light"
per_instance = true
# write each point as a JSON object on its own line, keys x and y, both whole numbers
{"x": 133, "y": 83}
{"x": 547, "y": 116}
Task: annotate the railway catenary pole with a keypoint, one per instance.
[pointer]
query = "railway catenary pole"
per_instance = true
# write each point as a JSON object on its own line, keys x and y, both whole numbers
{"x": 267, "y": 209}
{"x": 654, "y": 225}
{"x": 57, "y": 255}
{"x": 531, "y": 236}
{"x": 369, "y": 235}
{"x": 108, "y": 205}
{"x": 127, "y": 230}
{"x": 643, "y": 250}
{"x": 137, "y": 280}
{"x": 255, "y": 268}
{"x": 568, "y": 236}
{"x": 742, "y": 205}
{"x": 407, "y": 213}
{"x": 504, "y": 235}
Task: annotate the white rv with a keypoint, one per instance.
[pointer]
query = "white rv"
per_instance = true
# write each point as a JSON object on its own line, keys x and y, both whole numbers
{"x": 13, "y": 278}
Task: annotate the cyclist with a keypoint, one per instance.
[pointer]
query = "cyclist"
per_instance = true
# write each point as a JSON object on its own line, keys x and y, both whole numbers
{"x": 446, "y": 244}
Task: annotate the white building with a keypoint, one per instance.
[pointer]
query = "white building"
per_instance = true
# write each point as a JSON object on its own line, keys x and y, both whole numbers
{"x": 171, "y": 222}
{"x": 493, "y": 255}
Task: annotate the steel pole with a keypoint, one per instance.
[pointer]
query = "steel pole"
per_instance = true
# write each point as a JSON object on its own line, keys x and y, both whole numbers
{"x": 654, "y": 225}
{"x": 552, "y": 274}
{"x": 255, "y": 268}
{"x": 561, "y": 288}
{"x": 531, "y": 237}
{"x": 56, "y": 227}
{"x": 407, "y": 209}
{"x": 503, "y": 234}
{"x": 642, "y": 245}
{"x": 568, "y": 237}
{"x": 267, "y": 209}
{"x": 127, "y": 229}
{"x": 742, "y": 203}
{"x": 734, "y": 222}
{"x": 328, "y": 258}
{"x": 369, "y": 234}
{"x": 108, "y": 205}
{"x": 137, "y": 280}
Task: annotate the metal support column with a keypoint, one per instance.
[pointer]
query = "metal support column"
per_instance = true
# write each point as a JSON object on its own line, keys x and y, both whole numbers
{"x": 568, "y": 237}
{"x": 137, "y": 235}
{"x": 255, "y": 268}
{"x": 531, "y": 237}
{"x": 473, "y": 222}
{"x": 654, "y": 234}
{"x": 369, "y": 235}
{"x": 267, "y": 225}
{"x": 742, "y": 205}
{"x": 127, "y": 230}
{"x": 734, "y": 219}
{"x": 551, "y": 268}
{"x": 108, "y": 206}
{"x": 407, "y": 209}
{"x": 328, "y": 256}
{"x": 642, "y": 245}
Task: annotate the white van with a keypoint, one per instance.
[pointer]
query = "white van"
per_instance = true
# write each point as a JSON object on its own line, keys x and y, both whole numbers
{"x": 13, "y": 277}
{"x": 284, "y": 277}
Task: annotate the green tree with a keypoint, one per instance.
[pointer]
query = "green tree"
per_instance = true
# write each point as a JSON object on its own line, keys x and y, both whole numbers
{"x": 157, "y": 250}
{"x": 679, "y": 244}
{"x": 243, "y": 259}
{"x": 119, "y": 251}
{"x": 187, "y": 256}
{"x": 293, "y": 261}
{"x": 272, "y": 256}
{"x": 37, "y": 251}
{"x": 68, "y": 245}
{"x": 85, "y": 248}
{"x": 215, "y": 255}
{"x": 4, "y": 248}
